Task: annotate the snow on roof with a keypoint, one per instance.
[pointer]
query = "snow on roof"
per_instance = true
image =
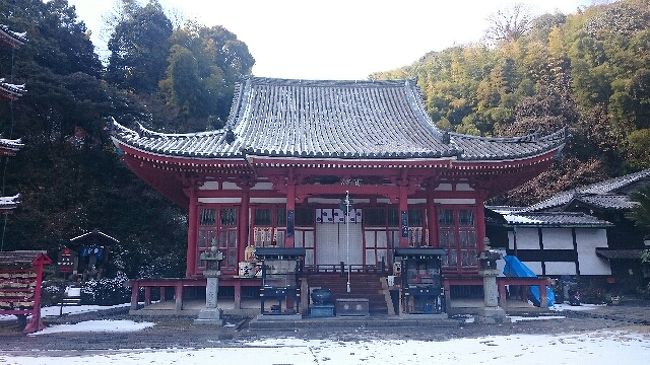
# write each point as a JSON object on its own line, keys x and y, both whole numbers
{"x": 382, "y": 119}
{"x": 554, "y": 219}
{"x": 92, "y": 233}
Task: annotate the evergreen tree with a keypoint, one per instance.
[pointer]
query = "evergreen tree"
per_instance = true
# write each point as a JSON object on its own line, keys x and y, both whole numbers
{"x": 139, "y": 47}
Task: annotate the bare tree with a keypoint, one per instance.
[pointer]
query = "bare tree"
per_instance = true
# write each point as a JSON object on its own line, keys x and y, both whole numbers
{"x": 509, "y": 24}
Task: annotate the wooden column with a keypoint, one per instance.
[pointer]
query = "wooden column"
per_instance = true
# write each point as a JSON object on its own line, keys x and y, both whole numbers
{"x": 480, "y": 224}
{"x": 403, "y": 210}
{"x": 289, "y": 240}
{"x": 242, "y": 229}
{"x": 135, "y": 289}
{"x": 432, "y": 220}
{"x": 192, "y": 228}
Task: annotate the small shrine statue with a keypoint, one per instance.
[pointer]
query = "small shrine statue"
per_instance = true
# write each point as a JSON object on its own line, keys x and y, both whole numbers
{"x": 249, "y": 253}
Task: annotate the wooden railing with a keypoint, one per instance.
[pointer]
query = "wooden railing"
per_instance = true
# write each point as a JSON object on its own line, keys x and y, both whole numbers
{"x": 341, "y": 268}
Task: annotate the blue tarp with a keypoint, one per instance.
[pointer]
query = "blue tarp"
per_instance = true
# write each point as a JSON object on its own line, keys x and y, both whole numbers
{"x": 516, "y": 269}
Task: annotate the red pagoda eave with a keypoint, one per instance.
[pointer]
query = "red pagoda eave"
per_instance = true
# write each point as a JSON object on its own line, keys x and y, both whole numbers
{"x": 8, "y": 94}
{"x": 444, "y": 163}
{"x": 341, "y": 163}
{"x": 4, "y": 151}
{"x": 182, "y": 163}
{"x": 511, "y": 164}
{"x": 12, "y": 39}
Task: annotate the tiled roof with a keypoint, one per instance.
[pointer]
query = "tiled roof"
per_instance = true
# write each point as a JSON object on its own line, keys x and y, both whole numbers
{"x": 554, "y": 219}
{"x": 11, "y": 91}
{"x": 22, "y": 257}
{"x": 600, "y": 188}
{"x": 484, "y": 148}
{"x": 333, "y": 119}
{"x": 11, "y": 38}
{"x": 9, "y": 202}
{"x": 10, "y": 146}
{"x": 607, "y": 201}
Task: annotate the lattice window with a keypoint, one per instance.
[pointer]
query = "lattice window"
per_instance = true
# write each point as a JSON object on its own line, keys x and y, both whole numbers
{"x": 457, "y": 235}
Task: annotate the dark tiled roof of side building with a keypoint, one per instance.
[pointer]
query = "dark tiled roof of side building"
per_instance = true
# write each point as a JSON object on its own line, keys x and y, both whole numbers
{"x": 333, "y": 119}
{"x": 607, "y": 201}
{"x": 607, "y": 187}
{"x": 554, "y": 219}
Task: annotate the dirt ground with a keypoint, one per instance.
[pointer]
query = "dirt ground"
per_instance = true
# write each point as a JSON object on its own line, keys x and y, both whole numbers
{"x": 180, "y": 332}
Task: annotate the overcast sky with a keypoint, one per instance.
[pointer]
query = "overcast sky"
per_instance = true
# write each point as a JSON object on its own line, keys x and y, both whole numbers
{"x": 335, "y": 39}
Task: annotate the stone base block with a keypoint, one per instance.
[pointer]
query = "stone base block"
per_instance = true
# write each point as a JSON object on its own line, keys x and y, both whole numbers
{"x": 352, "y": 307}
{"x": 491, "y": 315}
{"x": 321, "y": 311}
{"x": 279, "y": 317}
{"x": 210, "y": 316}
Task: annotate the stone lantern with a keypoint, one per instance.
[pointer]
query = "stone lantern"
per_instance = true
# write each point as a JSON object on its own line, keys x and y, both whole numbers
{"x": 491, "y": 312}
{"x": 212, "y": 258}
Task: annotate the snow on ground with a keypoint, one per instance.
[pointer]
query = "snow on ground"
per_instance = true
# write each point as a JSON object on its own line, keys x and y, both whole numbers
{"x": 602, "y": 347}
{"x": 471, "y": 319}
{"x": 54, "y": 311}
{"x": 76, "y": 309}
{"x": 538, "y": 318}
{"x": 96, "y": 326}
{"x": 559, "y": 307}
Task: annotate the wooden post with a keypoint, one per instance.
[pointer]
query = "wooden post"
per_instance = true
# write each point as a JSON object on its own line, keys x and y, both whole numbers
{"x": 36, "y": 324}
{"x": 432, "y": 222}
{"x": 163, "y": 293}
{"x": 543, "y": 302}
{"x": 447, "y": 287}
{"x": 289, "y": 240}
{"x": 238, "y": 294}
{"x": 502, "y": 293}
{"x": 403, "y": 211}
{"x": 242, "y": 232}
{"x": 480, "y": 224}
{"x": 178, "y": 295}
{"x": 192, "y": 221}
{"x": 135, "y": 288}
{"x": 147, "y": 295}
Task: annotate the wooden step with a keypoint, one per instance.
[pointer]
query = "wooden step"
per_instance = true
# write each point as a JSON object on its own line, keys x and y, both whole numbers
{"x": 364, "y": 285}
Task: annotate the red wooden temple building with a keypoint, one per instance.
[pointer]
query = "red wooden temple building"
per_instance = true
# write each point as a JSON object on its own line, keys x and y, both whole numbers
{"x": 292, "y": 149}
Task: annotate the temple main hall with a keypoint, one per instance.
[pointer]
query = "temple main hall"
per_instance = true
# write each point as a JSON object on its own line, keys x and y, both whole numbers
{"x": 293, "y": 152}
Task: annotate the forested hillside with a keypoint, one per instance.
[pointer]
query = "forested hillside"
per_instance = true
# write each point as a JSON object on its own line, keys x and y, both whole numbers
{"x": 589, "y": 71}
{"x": 69, "y": 173}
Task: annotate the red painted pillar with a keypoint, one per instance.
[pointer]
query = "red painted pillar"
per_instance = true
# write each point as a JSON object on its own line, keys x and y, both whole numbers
{"x": 502, "y": 293}
{"x": 242, "y": 240}
{"x": 135, "y": 288}
{"x": 291, "y": 211}
{"x": 403, "y": 213}
{"x": 147, "y": 295}
{"x": 432, "y": 221}
{"x": 192, "y": 228}
{"x": 480, "y": 224}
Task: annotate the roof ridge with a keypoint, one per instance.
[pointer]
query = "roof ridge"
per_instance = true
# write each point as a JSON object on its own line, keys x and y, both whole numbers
{"x": 258, "y": 80}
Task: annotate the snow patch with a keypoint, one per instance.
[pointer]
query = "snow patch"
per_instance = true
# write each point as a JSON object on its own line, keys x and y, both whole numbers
{"x": 97, "y": 326}
{"x": 540, "y": 318}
